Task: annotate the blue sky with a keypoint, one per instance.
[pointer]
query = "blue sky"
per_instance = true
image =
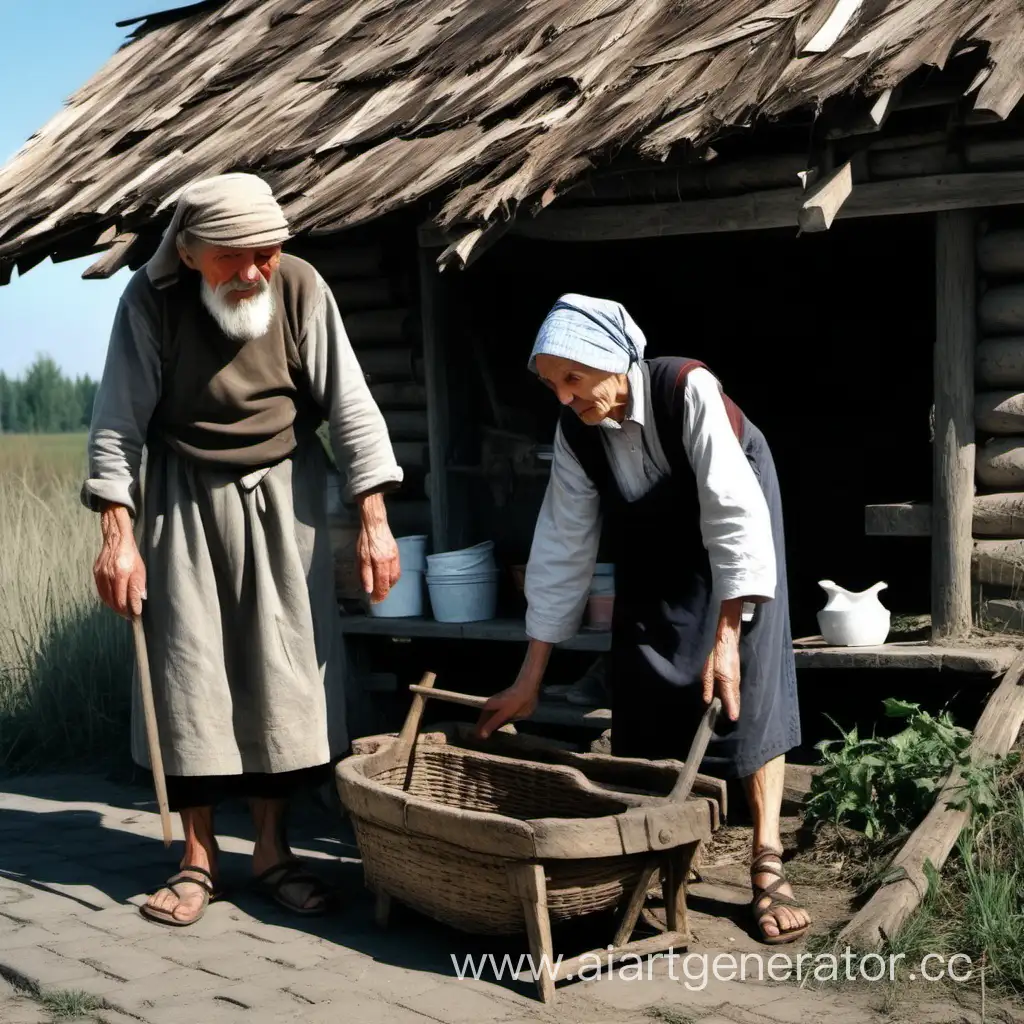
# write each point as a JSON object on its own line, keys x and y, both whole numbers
{"x": 48, "y": 49}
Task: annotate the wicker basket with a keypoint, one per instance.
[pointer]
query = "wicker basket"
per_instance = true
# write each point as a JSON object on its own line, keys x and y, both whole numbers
{"x": 467, "y": 889}
{"x": 444, "y": 823}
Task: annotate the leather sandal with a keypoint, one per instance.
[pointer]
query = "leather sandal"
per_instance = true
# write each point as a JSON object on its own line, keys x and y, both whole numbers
{"x": 294, "y": 872}
{"x": 758, "y": 866}
{"x": 167, "y": 916}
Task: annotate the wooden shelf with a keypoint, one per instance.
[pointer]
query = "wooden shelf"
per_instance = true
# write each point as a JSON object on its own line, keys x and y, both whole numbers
{"x": 815, "y": 653}
{"x": 512, "y": 630}
{"x": 902, "y": 519}
{"x": 811, "y": 652}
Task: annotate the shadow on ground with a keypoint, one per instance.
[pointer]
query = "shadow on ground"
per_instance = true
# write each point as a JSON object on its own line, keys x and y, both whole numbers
{"x": 98, "y": 846}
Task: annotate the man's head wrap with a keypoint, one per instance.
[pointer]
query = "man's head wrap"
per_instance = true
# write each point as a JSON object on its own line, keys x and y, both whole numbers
{"x": 236, "y": 210}
{"x": 595, "y": 332}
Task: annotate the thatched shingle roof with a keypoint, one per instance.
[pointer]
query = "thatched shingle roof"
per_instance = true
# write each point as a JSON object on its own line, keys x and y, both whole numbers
{"x": 353, "y": 108}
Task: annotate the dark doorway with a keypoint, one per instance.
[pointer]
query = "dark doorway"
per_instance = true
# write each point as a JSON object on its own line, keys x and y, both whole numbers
{"x": 825, "y": 341}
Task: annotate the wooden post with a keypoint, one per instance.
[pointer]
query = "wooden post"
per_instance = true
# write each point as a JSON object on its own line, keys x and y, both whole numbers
{"x": 437, "y": 397}
{"x": 953, "y": 459}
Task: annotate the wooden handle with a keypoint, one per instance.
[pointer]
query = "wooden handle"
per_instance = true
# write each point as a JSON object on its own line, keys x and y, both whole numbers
{"x": 411, "y": 726}
{"x": 697, "y": 748}
{"x": 152, "y": 733}
{"x": 449, "y": 695}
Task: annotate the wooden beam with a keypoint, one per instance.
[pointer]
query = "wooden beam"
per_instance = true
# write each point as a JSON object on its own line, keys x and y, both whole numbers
{"x": 999, "y": 363}
{"x": 114, "y": 259}
{"x": 435, "y": 376}
{"x": 916, "y": 655}
{"x": 820, "y": 207}
{"x": 1001, "y": 310}
{"x": 999, "y": 515}
{"x": 882, "y": 917}
{"x": 775, "y": 208}
{"x": 953, "y": 464}
{"x": 1000, "y": 464}
{"x": 999, "y": 412}
{"x": 999, "y": 562}
{"x": 903, "y": 519}
{"x": 1001, "y": 253}
{"x": 994, "y": 515}
{"x": 867, "y": 122}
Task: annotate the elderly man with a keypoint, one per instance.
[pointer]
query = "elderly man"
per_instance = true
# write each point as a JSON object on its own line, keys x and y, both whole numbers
{"x": 225, "y": 357}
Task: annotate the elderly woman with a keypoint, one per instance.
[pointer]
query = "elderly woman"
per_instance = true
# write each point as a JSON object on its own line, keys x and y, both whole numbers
{"x": 685, "y": 489}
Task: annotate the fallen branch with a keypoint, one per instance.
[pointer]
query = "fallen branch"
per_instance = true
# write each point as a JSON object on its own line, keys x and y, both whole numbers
{"x": 931, "y": 842}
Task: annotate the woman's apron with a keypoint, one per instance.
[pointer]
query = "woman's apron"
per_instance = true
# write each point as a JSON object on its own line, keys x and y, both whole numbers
{"x": 664, "y": 620}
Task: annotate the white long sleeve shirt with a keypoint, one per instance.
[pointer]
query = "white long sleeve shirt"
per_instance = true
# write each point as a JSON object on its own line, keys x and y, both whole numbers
{"x": 735, "y": 520}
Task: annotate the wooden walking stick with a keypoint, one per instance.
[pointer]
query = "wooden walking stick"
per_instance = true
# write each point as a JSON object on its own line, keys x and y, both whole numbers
{"x": 156, "y": 760}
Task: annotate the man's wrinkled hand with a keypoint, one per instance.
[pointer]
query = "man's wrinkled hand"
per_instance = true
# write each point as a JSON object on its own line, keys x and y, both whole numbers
{"x": 721, "y": 675}
{"x": 119, "y": 571}
{"x": 379, "y": 566}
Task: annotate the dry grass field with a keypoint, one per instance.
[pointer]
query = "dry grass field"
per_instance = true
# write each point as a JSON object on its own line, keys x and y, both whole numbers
{"x": 65, "y": 660}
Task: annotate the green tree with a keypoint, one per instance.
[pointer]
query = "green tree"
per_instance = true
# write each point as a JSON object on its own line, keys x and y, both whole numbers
{"x": 43, "y": 394}
{"x": 45, "y": 401}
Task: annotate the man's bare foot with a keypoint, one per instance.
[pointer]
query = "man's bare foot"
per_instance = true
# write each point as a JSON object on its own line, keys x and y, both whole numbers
{"x": 276, "y": 870}
{"x": 184, "y": 898}
{"x": 779, "y": 917}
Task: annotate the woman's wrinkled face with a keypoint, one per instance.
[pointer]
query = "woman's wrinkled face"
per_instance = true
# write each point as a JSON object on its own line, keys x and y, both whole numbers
{"x": 592, "y": 394}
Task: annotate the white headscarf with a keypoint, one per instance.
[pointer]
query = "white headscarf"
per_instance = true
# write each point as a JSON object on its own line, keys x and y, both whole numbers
{"x": 237, "y": 210}
{"x": 595, "y": 332}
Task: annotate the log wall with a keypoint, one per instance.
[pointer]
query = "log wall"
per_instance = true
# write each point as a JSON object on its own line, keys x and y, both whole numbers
{"x": 374, "y": 285}
{"x": 998, "y": 558}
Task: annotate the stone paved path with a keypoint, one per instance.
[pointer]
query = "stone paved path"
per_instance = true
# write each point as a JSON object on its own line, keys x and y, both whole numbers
{"x": 77, "y": 853}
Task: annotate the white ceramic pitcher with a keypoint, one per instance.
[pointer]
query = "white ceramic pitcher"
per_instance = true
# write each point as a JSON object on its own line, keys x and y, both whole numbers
{"x": 851, "y": 619}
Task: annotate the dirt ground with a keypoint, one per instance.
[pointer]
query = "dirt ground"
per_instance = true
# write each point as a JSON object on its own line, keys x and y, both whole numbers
{"x": 719, "y": 897}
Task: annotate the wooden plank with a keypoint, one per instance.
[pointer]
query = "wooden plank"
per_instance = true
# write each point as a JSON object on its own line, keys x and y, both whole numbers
{"x": 776, "y": 208}
{"x": 116, "y": 257}
{"x": 639, "y": 948}
{"x": 824, "y": 200}
{"x": 994, "y": 515}
{"x": 882, "y": 917}
{"x": 435, "y": 374}
{"x": 813, "y": 653}
{"x": 953, "y": 451}
{"x": 902, "y": 519}
{"x": 934, "y": 657}
{"x": 508, "y": 630}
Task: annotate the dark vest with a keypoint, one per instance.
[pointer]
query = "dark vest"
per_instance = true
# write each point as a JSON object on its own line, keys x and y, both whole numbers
{"x": 229, "y": 403}
{"x": 667, "y": 408}
{"x": 663, "y": 580}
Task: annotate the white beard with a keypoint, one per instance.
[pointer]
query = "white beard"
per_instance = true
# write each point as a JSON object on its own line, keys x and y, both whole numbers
{"x": 244, "y": 320}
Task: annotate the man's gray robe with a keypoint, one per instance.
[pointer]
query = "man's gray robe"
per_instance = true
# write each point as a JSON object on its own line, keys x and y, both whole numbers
{"x": 241, "y": 616}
